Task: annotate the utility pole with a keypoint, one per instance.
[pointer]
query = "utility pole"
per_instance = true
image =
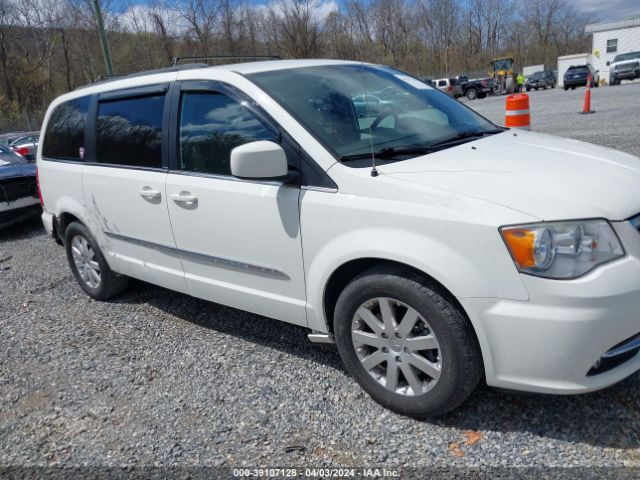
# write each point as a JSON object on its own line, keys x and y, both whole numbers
{"x": 104, "y": 43}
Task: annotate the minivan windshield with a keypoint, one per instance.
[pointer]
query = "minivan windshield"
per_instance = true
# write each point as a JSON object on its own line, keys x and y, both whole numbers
{"x": 356, "y": 110}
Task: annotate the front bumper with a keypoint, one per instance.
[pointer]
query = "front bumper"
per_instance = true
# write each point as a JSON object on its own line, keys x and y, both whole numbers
{"x": 550, "y": 343}
{"x": 575, "y": 82}
{"x": 626, "y": 74}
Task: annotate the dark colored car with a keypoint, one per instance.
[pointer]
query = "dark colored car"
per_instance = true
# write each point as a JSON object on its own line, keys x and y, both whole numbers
{"x": 18, "y": 188}
{"x": 542, "y": 79}
{"x": 475, "y": 88}
{"x": 576, "y": 76}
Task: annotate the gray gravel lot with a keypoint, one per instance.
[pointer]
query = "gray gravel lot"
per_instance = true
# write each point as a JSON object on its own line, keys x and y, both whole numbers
{"x": 616, "y": 122}
{"x": 156, "y": 378}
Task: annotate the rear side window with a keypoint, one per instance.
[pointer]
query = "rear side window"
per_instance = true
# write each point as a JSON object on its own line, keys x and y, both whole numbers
{"x": 64, "y": 136}
{"x": 129, "y": 131}
{"x": 211, "y": 125}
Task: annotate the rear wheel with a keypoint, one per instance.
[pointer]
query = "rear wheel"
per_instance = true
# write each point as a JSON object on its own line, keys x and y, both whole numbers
{"x": 566, "y": 88}
{"x": 472, "y": 94}
{"x": 408, "y": 347}
{"x": 89, "y": 266}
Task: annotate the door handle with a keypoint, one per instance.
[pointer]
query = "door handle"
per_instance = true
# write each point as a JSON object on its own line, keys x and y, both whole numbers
{"x": 184, "y": 197}
{"x": 149, "y": 193}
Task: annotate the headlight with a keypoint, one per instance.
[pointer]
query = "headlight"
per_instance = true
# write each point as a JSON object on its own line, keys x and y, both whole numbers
{"x": 562, "y": 250}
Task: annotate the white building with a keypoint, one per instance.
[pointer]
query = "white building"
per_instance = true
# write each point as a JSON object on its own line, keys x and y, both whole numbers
{"x": 566, "y": 61}
{"x": 611, "y": 39}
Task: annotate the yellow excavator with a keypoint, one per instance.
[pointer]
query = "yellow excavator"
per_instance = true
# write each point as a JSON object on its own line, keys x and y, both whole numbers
{"x": 504, "y": 80}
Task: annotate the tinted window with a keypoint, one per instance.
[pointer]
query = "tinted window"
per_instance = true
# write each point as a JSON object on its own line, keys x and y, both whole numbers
{"x": 129, "y": 131}
{"x": 211, "y": 125}
{"x": 64, "y": 137}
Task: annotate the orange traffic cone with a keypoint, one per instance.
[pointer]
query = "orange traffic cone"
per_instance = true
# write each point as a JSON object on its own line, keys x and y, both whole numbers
{"x": 517, "y": 111}
{"x": 586, "y": 107}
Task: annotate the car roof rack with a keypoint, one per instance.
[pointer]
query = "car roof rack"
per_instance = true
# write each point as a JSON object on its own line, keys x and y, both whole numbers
{"x": 176, "y": 60}
{"x": 120, "y": 76}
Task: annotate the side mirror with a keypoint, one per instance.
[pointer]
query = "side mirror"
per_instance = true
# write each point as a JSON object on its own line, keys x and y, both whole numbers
{"x": 608, "y": 63}
{"x": 259, "y": 159}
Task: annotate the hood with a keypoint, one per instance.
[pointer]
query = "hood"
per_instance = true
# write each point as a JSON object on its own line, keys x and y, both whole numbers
{"x": 548, "y": 177}
{"x": 17, "y": 170}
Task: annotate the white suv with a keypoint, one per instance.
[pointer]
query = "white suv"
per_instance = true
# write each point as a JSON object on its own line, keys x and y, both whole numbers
{"x": 468, "y": 251}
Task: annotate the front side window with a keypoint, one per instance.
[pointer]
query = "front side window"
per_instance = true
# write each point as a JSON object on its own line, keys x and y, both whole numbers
{"x": 612, "y": 45}
{"x": 64, "y": 135}
{"x": 354, "y": 109}
{"x": 129, "y": 131}
{"x": 211, "y": 125}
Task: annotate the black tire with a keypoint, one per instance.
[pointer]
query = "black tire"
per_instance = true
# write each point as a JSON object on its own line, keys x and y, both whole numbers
{"x": 472, "y": 94}
{"x": 482, "y": 95}
{"x": 528, "y": 89}
{"x": 461, "y": 361}
{"x": 536, "y": 88}
{"x": 573, "y": 88}
{"x": 566, "y": 88}
{"x": 110, "y": 283}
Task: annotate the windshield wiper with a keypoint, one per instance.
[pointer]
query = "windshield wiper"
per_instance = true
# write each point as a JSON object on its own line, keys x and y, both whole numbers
{"x": 388, "y": 152}
{"x": 469, "y": 134}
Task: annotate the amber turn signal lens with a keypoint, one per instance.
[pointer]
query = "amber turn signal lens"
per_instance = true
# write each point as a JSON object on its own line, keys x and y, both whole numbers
{"x": 521, "y": 243}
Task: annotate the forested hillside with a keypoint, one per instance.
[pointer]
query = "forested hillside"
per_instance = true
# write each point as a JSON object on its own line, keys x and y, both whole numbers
{"x": 48, "y": 47}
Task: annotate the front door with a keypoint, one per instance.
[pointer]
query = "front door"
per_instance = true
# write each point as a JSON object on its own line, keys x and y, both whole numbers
{"x": 239, "y": 240}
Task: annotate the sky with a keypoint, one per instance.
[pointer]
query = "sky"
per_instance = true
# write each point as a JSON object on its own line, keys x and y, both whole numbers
{"x": 606, "y": 10}
{"x": 599, "y": 10}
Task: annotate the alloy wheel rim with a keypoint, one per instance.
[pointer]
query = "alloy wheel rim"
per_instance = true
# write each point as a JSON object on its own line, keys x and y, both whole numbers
{"x": 396, "y": 346}
{"x": 84, "y": 258}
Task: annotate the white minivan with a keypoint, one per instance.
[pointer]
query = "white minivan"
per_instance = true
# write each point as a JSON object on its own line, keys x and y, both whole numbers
{"x": 435, "y": 248}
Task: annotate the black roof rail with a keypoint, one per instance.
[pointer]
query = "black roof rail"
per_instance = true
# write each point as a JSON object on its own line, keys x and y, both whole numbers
{"x": 120, "y": 76}
{"x": 102, "y": 78}
{"x": 176, "y": 60}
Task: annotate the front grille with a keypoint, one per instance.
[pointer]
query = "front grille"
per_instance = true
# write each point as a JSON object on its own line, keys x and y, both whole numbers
{"x": 628, "y": 66}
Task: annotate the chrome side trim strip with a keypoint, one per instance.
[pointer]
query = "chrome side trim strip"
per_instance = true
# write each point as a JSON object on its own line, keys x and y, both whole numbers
{"x": 218, "y": 261}
{"x": 319, "y": 189}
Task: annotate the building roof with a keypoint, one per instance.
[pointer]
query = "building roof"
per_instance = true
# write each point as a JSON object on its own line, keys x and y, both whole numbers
{"x": 603, "y": 27}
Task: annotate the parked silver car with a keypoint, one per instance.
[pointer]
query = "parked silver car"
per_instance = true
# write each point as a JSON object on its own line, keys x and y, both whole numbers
{"x": 26, "y": 145}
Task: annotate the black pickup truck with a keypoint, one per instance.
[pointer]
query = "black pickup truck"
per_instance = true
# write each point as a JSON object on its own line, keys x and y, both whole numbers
{"x": 476, "y": 87}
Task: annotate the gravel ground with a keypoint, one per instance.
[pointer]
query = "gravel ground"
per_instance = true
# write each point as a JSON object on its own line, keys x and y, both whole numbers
{"x": 156, "y": 378}
{"x": 616, "y": 122}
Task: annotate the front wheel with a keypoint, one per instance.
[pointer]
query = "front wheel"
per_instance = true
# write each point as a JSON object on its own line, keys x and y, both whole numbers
{"x": 566, "y": 88}
{"x": 89, "y": 266}
{"x": 409, "y": 348}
